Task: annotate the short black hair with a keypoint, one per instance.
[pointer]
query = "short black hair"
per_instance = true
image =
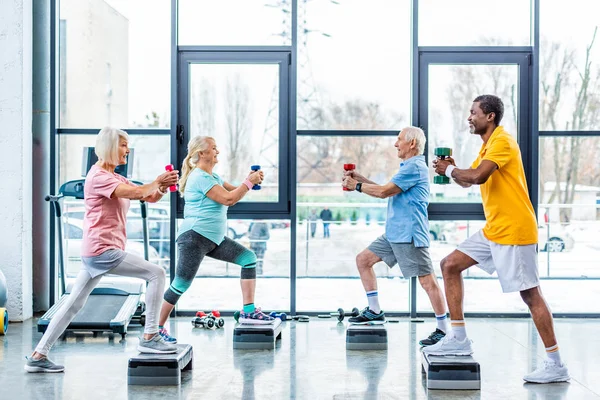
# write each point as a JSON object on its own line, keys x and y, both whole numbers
{"x": 491, "y": 104}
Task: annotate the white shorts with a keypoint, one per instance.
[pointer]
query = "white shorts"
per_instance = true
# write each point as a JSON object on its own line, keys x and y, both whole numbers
{"x": 517, "y": 266}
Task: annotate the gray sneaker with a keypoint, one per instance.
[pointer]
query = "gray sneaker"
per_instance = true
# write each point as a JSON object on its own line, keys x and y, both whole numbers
{"x": 156, "y": 345}
{"x": 42, "y": 365}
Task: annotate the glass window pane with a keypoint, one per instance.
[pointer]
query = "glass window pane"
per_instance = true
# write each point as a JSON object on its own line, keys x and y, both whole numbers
{"x": 353, "y": 64}
{"x": 565, "y": 250}
{"x": 569, "y": 65}
{"x": 452, "y": 89}
{"x": 158, "y": 233}
{"x": 114, "y": 59}
{"x": 150, "y": 155}
{"x": 321, "y": 161}
{"x": 569, "y": 200}
{"x": 234, "y": 22}
{"x": 238, "y": 105}
{"x": 217, "y": 283}
{"x": 486, "y": 296}
{"x": 326, "y": 266}
{"x": 474, "y": 23}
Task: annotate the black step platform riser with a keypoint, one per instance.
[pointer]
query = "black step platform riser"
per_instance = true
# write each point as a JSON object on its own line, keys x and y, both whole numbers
{"x": 451, "y": 373}
{"x": 366, "y": 337}
{"x": 160, "y": 369}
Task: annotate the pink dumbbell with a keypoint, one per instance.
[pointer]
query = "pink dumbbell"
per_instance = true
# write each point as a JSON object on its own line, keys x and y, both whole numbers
{"x": 170, "y": 168}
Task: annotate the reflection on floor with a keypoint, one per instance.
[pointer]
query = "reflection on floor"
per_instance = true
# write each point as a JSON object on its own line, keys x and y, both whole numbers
{"x": 310, "y": 362}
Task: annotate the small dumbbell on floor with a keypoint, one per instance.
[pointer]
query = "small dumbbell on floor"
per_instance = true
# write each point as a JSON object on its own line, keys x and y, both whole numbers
{"x": 214, "y": 315}
{"x": 441, "y": 153}
{"x": 203, "y": 322}
{"x": 341, "y": 314}
{"x": 282, "y": 316}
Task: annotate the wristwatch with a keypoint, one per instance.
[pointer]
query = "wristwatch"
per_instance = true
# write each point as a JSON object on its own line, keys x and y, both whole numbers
{"x": 358, "y": 187}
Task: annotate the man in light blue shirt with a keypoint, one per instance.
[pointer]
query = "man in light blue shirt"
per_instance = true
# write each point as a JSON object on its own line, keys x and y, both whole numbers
{"x": 406, "y": 238}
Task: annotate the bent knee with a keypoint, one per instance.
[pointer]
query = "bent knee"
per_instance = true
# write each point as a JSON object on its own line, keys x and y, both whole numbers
{"x": 363, "y": 261}
{"x": 449, "y": 265}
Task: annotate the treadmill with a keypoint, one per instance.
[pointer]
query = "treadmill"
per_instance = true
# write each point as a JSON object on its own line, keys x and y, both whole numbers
{"x": 116, "y": 300}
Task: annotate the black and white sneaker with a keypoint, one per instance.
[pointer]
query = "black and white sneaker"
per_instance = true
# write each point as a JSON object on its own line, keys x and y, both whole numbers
{"x": 435, "y": 337}
{"x": 368, "y": 317}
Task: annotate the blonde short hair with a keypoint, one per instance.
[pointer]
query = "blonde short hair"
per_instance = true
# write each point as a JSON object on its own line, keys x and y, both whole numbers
{"x": 107, "y": 144}
{"x": 416, "y": 134}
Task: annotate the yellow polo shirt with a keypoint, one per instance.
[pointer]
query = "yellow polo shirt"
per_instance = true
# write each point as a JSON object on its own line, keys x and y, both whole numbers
{"x": 509, "y": 214}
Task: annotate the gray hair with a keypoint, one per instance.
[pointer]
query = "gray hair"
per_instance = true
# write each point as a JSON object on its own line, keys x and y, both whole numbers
{"x": 107, "y": 144}
{"x": 416, "y": 134}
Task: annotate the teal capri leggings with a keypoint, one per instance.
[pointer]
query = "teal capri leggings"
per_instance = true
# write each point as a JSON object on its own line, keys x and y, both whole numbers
{"x": 193, "y": 247}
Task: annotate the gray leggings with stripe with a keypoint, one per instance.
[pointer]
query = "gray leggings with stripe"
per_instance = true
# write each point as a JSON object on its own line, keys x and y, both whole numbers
{"x": 193, "y": 247}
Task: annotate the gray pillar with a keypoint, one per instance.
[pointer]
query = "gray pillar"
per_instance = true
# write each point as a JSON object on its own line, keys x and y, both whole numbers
{"x": 41, "y": 152}
{"x": 16, "y": 154}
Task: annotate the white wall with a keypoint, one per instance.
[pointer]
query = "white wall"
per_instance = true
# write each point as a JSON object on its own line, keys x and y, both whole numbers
{"x": 15, "y": 154}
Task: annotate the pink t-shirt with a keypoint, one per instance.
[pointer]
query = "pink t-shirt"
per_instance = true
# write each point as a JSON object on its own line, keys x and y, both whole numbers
{"x": 104, "y": 222}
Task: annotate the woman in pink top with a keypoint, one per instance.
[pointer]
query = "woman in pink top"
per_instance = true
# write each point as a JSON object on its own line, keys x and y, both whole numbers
{"x": 107, "y": 197}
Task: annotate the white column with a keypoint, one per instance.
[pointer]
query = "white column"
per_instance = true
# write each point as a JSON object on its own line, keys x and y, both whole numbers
{"x": 16, "y": 168}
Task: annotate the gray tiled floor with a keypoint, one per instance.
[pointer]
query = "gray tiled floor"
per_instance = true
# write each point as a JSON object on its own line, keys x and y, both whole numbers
{"x": 310, "y": 363}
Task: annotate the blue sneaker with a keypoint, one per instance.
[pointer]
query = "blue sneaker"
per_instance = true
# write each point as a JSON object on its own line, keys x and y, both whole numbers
{"x": 257, "y": 317}
{"x": 166, "y": 337}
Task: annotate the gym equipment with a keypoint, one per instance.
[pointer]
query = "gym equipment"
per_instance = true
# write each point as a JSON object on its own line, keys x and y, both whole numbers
{"x": 90, "y": 158}
{"x": 441, "y": 153}
{"x": 282, "y": 316}
{"x": 366, "y": 337}
{"x": 3, "y": 300}
{"x": 114, "y": 302}
{"x": 255, "y": 168}
{"x": 348, "y": 167}
{"x": 301, "y": 318}
{"x": 341, "y": 314}
{"x": 451, "y": 372}
{"x": 246, "y": 336}
{"x": 170, "y": 168}
{"x": 160, "y": 369}
{"x": 214, "y": 315}
{"x": 203, "y": 322}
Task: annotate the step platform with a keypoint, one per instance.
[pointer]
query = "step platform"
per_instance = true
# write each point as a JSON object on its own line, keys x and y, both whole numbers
{"x": 451, "y": 372}
{"x": 366, "y": 337}
{"x": 247, "y": 336}
{"x": 160, "y": 369}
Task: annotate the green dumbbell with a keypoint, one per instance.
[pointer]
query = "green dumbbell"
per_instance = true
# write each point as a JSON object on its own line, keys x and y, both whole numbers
{"x": 441, "y": 153}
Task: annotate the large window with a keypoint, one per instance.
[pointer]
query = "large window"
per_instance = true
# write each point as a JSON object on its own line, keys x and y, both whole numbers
{"x": 217, "y": 283}
{"x": 150, "y": 153}
{"x": 452, "y": 89}
{"x": 569, "y": 124}
{"x": 302, "y": 87}
{"x": 234, "y": 22}
{"x": 569, "y": 65}
{"x": 474, "y": 23}
{"x": 114, "y": 63}
{"x": 353, "y": 65}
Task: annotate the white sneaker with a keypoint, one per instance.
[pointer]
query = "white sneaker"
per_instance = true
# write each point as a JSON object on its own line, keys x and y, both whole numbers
{"x": 548, "y": 372}
{"x": 449, "y": 346}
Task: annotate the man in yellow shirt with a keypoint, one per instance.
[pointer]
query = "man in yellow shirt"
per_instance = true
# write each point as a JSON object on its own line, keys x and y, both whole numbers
{"x": 508, "y": 242}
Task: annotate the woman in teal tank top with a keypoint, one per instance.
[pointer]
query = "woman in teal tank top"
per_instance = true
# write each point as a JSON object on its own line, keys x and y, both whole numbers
{"x": 202, "y": 233}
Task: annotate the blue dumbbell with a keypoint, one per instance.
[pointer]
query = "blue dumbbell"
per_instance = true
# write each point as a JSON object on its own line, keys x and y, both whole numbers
{"x": 282, "y": 316}
{"x": 255, "y": 168}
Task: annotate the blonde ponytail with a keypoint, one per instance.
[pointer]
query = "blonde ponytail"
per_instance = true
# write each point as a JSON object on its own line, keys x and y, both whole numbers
{"x": 195, "y": 145}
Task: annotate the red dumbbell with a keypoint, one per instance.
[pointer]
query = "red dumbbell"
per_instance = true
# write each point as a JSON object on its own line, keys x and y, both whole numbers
{"x": 349, "y": 167}
{"x": 170, "y": 168}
